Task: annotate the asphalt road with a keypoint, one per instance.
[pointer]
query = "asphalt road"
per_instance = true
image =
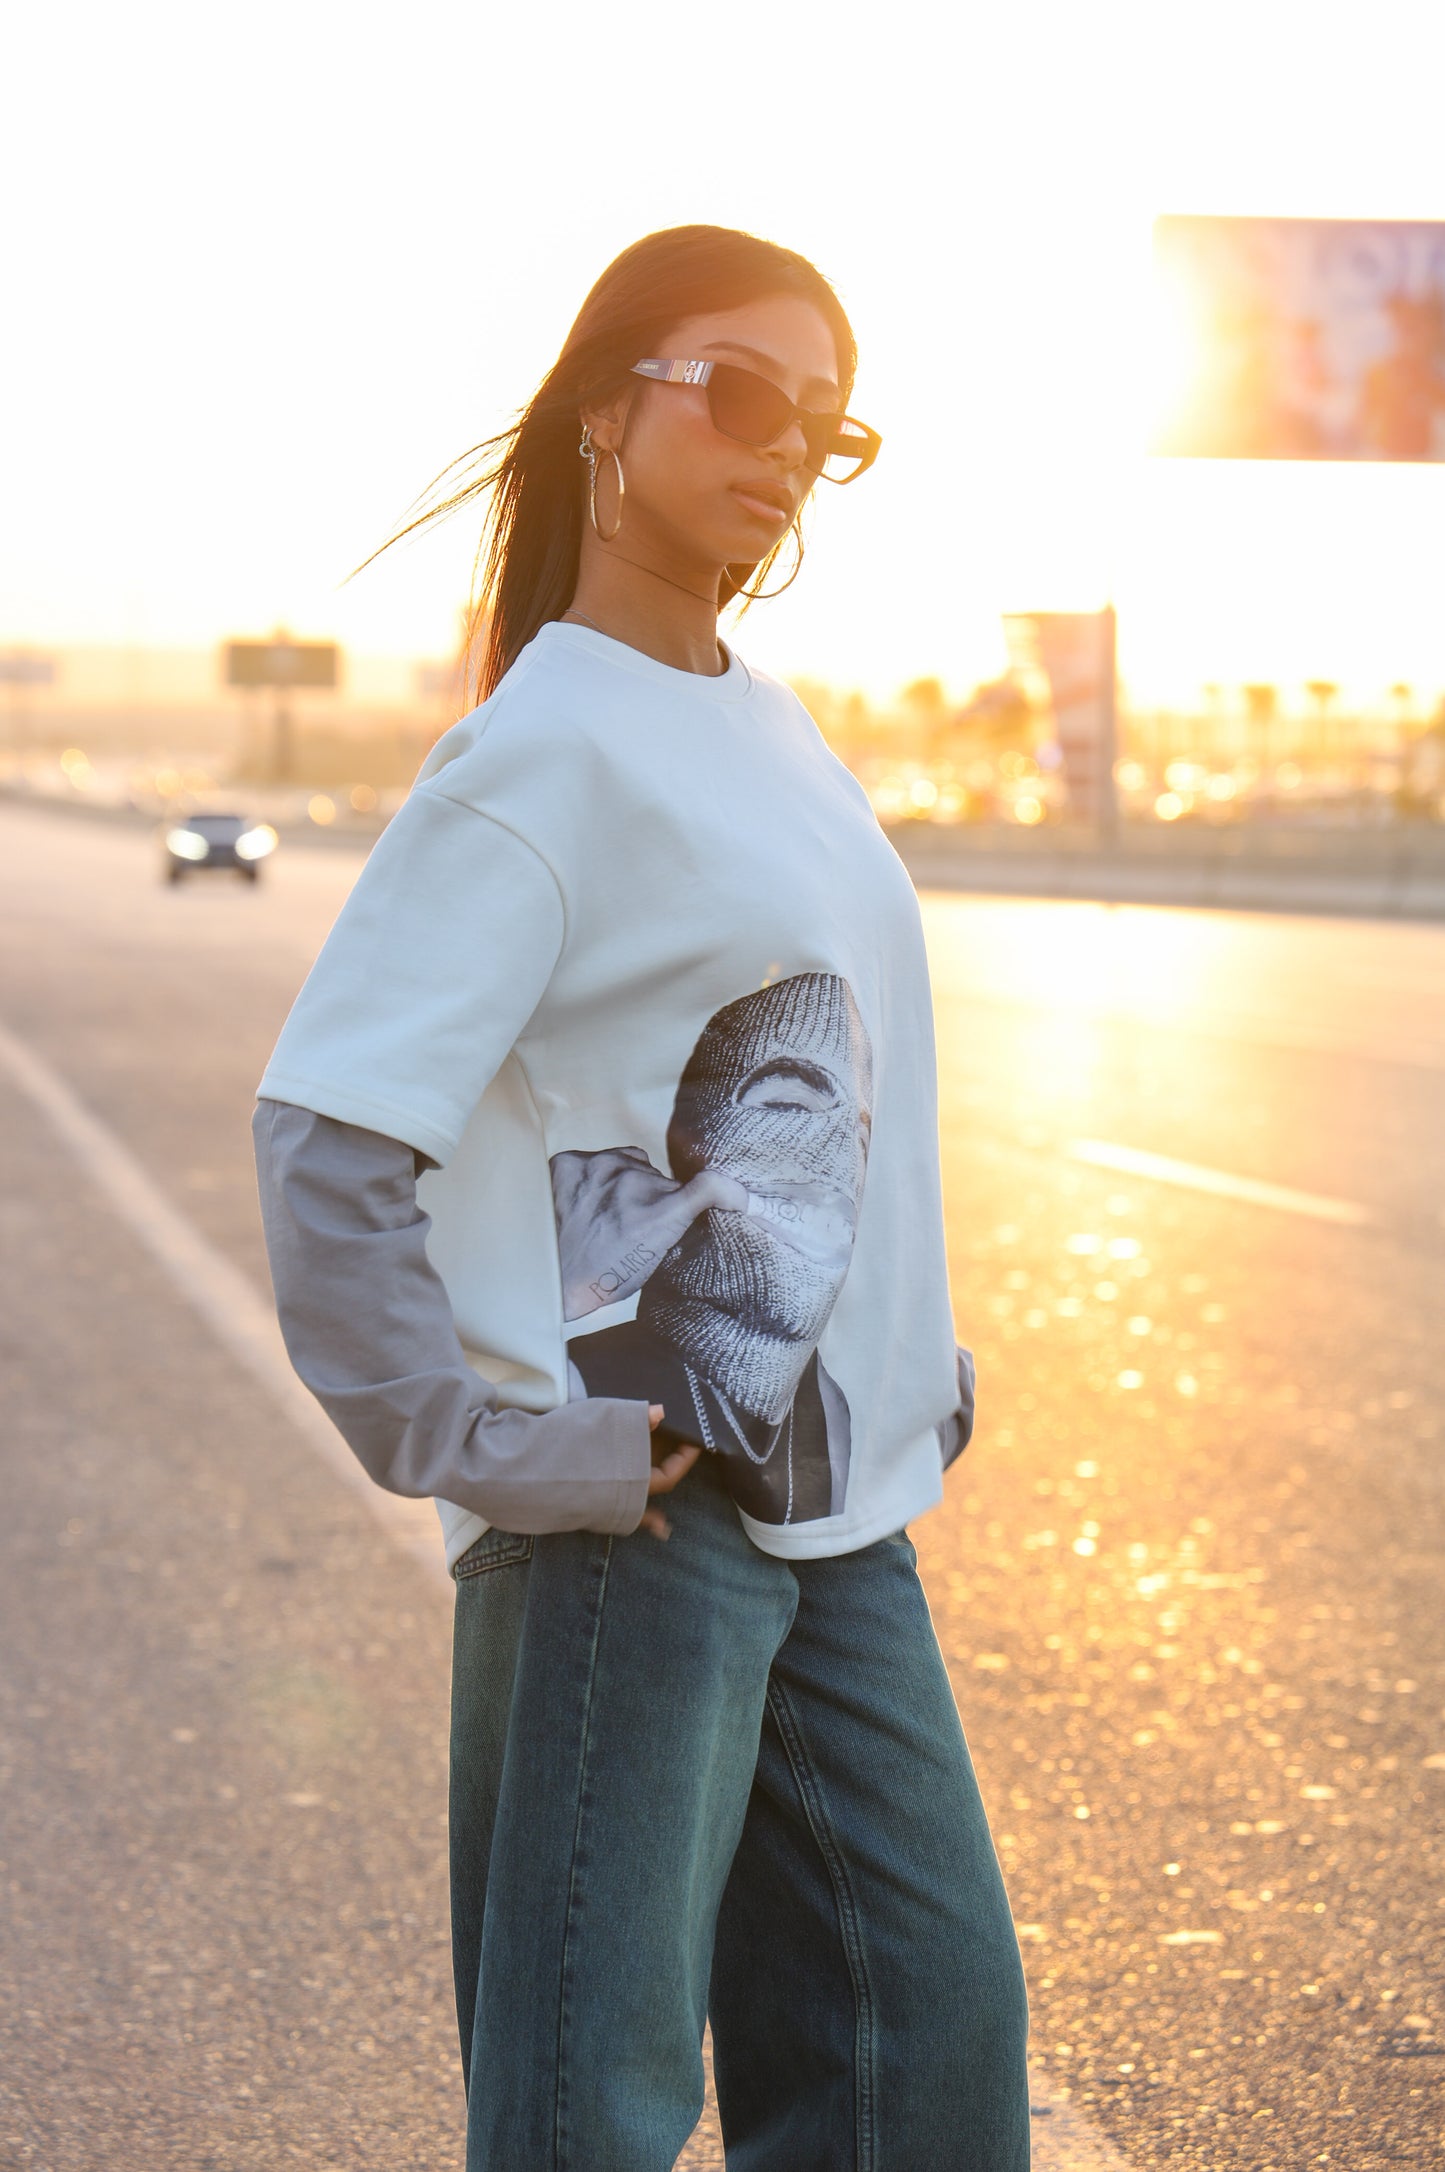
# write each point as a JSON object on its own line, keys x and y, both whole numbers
{"x": 1187, "y": 1576}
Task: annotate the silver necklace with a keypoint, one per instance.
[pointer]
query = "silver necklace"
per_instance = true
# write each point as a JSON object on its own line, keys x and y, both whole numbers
{"x": 743, "y": 1442}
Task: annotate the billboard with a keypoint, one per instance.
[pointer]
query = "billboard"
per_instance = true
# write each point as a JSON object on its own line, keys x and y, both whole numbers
{"x": 1072, "y": 655}
{"x": 280, "y": 663}
{"x": 1300, "y": 339}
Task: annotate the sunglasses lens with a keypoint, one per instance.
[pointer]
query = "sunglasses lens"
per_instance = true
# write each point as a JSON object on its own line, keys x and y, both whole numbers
{"x": 745, "y": 406}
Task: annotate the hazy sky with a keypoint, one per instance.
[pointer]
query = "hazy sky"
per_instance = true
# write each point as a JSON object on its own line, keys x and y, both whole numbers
{"x": 268, "y": 268}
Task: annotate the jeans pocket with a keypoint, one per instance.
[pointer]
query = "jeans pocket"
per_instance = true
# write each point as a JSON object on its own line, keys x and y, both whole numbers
{"x": 493, "y": 1550}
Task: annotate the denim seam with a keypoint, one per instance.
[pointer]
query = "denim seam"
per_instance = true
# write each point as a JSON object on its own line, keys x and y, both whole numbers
{"x": 811, "y": 1792}
{"x": 559, "y": 2123}
{"x": 499, "y": 1557}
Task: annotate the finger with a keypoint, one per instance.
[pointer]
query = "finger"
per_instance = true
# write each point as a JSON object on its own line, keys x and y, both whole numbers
{"x": 665, "y": 1475}
{"x": 654, "y": 1521}
{"x": 715, "y": 1188}
{"x": 654, "y": 1416}
{"x": 668, "y": 1216}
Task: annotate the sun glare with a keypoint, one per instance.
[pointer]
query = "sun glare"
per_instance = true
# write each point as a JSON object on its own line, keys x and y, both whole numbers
{"x": 318, "y": 287}
{"x": 1177, "y": 344}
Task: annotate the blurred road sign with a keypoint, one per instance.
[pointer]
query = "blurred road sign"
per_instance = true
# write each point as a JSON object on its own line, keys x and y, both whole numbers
{"x": 1300, "y": 339}
{"x": 1071, "y": 655}
{"x": 21, "y": 670}
{"x": 281, "y": 663}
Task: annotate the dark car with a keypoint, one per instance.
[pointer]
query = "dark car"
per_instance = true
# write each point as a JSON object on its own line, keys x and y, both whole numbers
{"x": 196, "y": 841}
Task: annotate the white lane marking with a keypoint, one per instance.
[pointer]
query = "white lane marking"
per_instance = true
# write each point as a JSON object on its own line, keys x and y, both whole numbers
{"x": 1196, "y": 1178}
{"x": 220, "y": 1293}
{"x": 1062, "y": 2140}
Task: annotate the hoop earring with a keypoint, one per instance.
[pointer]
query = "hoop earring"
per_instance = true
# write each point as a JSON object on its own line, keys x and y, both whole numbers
{"x": 588, "y": 452}
{"x": 765, "y": 595}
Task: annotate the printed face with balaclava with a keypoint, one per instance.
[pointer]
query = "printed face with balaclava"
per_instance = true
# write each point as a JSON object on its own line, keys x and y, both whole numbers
{"x": 777, "y": 1094}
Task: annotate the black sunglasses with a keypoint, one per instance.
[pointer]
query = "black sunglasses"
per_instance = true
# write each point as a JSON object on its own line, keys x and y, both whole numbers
{"x": 754, "y": 411}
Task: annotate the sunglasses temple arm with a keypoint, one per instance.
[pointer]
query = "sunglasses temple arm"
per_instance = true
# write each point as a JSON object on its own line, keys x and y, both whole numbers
{"x": 674, "y": 373}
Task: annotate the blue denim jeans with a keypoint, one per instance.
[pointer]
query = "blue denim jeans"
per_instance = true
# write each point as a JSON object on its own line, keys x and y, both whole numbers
{"x": 689, "y": 1780}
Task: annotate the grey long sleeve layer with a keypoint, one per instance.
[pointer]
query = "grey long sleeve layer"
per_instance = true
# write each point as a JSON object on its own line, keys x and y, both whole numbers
{"x": 956, "y": 1432}
{"x": 368, "y": 1327}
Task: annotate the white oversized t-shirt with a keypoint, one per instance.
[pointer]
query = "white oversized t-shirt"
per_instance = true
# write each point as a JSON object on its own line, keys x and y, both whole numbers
{"x": 635, "y": 964}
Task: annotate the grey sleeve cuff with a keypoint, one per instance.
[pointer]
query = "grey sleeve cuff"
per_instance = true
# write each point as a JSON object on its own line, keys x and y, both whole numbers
{"x": 956, "y": 1431}
{"x": 368, "y": 1326}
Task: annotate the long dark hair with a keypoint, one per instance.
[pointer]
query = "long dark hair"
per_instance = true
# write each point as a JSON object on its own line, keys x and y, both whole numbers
{"x": 531, "y": 538}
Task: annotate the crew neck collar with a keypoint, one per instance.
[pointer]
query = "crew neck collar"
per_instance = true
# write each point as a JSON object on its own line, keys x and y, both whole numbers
{"x": 734, "y": 684}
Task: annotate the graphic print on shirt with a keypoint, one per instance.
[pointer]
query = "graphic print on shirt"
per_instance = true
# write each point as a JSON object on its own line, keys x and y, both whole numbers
{"x": 738, "y": 1250}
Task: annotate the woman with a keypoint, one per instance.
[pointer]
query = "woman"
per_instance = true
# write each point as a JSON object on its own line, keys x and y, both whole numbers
{"x": 599, "y": 1163}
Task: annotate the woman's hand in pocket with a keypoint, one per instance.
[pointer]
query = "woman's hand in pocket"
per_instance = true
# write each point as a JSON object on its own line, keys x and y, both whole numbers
{"x": 672, "y": 1459}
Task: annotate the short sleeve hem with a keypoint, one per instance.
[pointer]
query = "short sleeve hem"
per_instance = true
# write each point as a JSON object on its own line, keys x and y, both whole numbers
{"x": 365, "y": 1110}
